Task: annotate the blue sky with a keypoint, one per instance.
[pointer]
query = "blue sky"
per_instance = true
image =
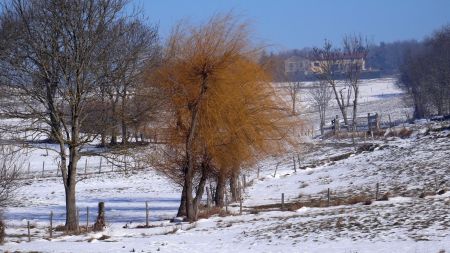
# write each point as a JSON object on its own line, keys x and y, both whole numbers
{"x": 289, "y": 24}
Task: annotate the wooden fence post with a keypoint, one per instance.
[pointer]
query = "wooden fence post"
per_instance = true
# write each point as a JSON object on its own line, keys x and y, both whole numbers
{"x": 295, "y": 166}
{"x": 276, "y": 168}
{"x": 377, "y": 121}
{"x": 29, "y": 233}
{"x": 328, "y": 197}
{"x": 51, "y": 224}
{"x": 377, "y": 191}
{"x": 85, "y": 167}
{"x": 29, "y": 165}
{"x": 282, "y": 201}
{"x": 100, "y": 222}
{"x": 390, "y": 122}
{"x": 337, "y": 127}
{"x": 146, "y": 214}
{"x": 257, "y": 175}
{"x": 100, "y": 166}
{"x": 240, "y": 205}
{"x": 43, "y": 168}
{"x": 87, "y": 219}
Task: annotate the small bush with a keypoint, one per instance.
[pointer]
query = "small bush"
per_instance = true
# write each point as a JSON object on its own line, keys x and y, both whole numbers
{"x": 206, "y": 213}
{"x": 358, "y": 199}
{"x": 385, "y": 197}
{"x": 404, "y": 133}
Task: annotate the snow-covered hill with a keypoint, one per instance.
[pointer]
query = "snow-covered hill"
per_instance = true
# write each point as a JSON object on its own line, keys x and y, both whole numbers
{"x": 412, "y": 170}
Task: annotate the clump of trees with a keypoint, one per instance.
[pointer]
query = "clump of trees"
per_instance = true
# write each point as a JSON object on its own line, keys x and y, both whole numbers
{"x": 222, "y": 111}
{"x": 71, "y": 71}
{"x": 425, "y": 75}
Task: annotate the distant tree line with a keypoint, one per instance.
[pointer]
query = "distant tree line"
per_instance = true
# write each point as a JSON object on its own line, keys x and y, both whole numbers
{"x": 385, "y": 58}
{"x": 425, "y": 75}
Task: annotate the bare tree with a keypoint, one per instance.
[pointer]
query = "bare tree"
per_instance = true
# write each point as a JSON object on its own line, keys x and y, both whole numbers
{"x": 53, "y": 73}
{"x": 320, "y": 96}
{"x": 293, "y": 89}
{"x": 425, "y": 75}
{"x": 328, "y": 61}
{"x": 134, "y": 47}
{"x": 355, "y": 51}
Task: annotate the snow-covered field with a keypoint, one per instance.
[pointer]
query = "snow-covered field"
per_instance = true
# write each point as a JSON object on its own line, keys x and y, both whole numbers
{"x": 405, "y": 168}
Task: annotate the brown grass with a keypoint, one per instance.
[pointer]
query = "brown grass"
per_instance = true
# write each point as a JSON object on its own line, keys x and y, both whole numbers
{"x": 205, "y": 213}
{"x": 316, "y": 202}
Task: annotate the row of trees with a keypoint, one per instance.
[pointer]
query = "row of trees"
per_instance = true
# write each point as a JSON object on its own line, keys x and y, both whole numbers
{"x": 83, "y": 71}
{"x": 425, "y": 75}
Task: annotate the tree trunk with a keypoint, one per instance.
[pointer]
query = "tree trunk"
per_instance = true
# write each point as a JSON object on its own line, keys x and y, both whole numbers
{"x": 123, "y": 119}
{"x": 113, "y": 123}
{"x": 70, "y": 183}
{"x": 341, "y": 104}
{"x": 71, "y": 208}
{"x": 200, "y": 188}
{"x": 54, "y": 123}
{"x": 234, "y": 185}
{"x": 322, "y": 124}
{"x": 355, "y": 107}
{"x": 182, "y": 208}
{"x": 100, "y": 221}
{"x": 220, "y": 190}
{"x": 189, "y": 169}
{"x": 103, "y": 139}
{"x": 190, "y": 215}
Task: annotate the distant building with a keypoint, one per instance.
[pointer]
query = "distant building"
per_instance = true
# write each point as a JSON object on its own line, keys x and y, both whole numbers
{"x": 314, "y": 65}
{"x": 296, "y": 64}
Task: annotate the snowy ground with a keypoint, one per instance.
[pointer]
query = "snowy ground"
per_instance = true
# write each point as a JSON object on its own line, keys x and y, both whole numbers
{"x": 406, "y": 168}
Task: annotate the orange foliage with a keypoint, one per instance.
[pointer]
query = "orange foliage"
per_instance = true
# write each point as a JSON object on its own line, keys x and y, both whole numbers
{"x": 240, "y": 115}
{"x": 221, "y": 102}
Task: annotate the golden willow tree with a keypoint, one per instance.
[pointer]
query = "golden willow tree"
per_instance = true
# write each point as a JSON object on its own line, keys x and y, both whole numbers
{"x": 222, "y": 110}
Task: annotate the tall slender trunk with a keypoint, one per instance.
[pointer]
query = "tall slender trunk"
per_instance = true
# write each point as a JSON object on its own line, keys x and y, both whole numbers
{"x": 123, "y": 119}
{"x": 234, "y": 185}
{"x": 189, "y": 169}
{"x": 69, "y": 187}
{"x": 220, "y": 190}
{"x": 104, "y": 120}
{"x": 70, "y": 179}
{"x": 355, "y": 107}
{"x": 114, "y": 120}
{"x": 201, "y": 186}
